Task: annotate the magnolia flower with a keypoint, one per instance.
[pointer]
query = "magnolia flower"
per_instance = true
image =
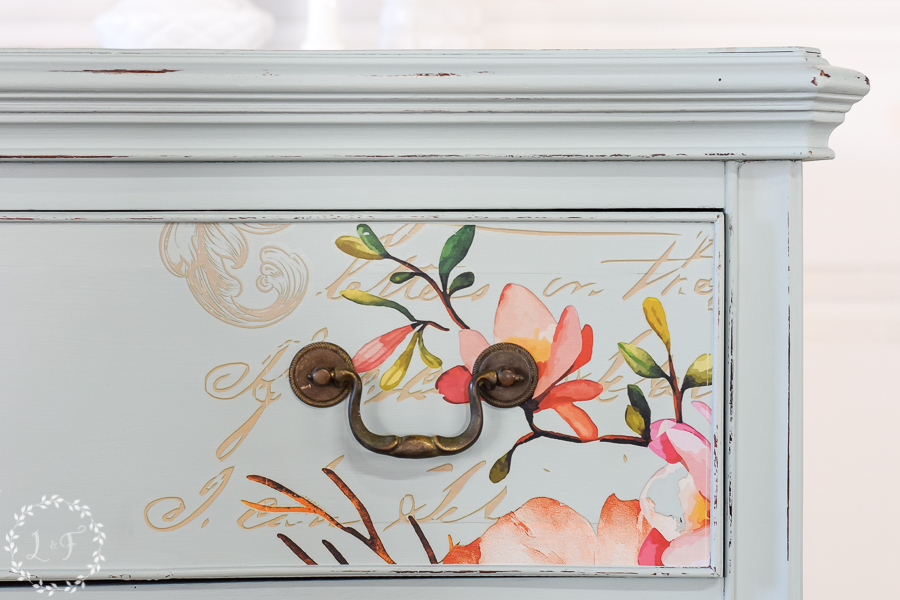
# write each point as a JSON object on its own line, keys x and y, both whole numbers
{"x": 559, "y": 349}
{"x": 673, "y": 542}
{"x": 630, "y": 532}
{"x": 543, "y": 531}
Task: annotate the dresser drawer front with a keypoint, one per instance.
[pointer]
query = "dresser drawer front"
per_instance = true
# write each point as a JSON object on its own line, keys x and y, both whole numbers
{"x": 150, "y": 356}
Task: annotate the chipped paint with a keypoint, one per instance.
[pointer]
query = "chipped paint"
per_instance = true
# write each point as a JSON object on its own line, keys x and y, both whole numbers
{"x": 121, "y": 71}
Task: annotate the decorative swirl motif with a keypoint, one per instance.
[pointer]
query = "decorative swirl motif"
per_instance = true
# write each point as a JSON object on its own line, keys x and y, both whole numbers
{"x": 201, "y": 253}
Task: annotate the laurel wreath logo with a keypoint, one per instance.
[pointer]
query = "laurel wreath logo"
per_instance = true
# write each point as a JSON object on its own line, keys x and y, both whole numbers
{"x": 55, "y": 501}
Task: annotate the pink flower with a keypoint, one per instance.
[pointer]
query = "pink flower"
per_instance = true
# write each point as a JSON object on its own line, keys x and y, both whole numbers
{"x": 672, "y": 543}
{"x": 543, "y": 531}
{"x": 559, "y": 349}
{"x": 378, "y": 350}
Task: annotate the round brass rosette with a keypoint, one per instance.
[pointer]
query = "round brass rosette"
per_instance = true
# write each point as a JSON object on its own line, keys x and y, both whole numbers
{"x": 517, "y": 375}
{"x": 313, "y": 374}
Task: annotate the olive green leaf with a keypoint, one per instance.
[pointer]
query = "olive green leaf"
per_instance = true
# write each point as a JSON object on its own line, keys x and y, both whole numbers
{"x": 461, "y": 282}
{"x": 640, "y": 362}
{"x": 427, "y": 357}
{"x": 393, "y": 376}
{"x": 355, "y": 248}
{"x": 455, "y": 249}
{"x": 364, "y": 298}
{"x": 641, "y": 410}
{"x": 371, "y": 240}
{"x": 656, "y": 318}
{"x": 699, "y": 373}
{"x": 402, "y": 276}
{"x": 635, "y": 421}
{"x": 501, "y": 468}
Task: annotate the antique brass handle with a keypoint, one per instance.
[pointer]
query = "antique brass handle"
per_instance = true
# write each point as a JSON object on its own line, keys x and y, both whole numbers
{"x": 322, "y": 375}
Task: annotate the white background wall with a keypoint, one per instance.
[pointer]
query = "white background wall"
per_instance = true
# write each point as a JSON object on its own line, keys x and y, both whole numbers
{"x": 851, "y": 210}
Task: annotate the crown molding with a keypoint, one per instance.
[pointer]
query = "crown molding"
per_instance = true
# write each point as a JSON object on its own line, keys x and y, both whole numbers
{"x": 105, "y": 105}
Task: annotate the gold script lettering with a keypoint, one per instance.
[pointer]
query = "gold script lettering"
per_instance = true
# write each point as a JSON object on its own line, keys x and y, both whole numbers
{"x": 444, "y": 509}
{"x": 260, "y": 388}
{"x": 576, "y": 286}
{"x": 425, "y": 377}
{"x": 213, "y": 486}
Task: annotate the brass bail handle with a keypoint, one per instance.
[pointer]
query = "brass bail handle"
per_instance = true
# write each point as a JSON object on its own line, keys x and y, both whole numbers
{"x": 322, "y": 375}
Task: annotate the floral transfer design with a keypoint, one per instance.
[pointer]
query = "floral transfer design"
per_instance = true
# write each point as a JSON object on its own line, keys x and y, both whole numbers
{"x": 207, "y": 256}
{"x": 637, "y": 531}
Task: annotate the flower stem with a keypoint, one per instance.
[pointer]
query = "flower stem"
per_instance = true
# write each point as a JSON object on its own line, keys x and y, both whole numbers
{"x": 676, "y": 393}
{"x": 424, "y": 324}
{"x": 553, "y": 435}
{"x": 445, "y": 299}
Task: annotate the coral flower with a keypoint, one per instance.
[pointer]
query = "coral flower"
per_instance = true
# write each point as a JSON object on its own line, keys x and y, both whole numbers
{"x": 559, "y": 349}
{"x": 374, "y": 353}
{"x": 544, "y": 531}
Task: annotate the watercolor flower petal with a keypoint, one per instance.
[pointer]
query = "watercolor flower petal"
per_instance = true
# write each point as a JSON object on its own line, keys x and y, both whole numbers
{"x": 651, "y": 552}
{"x": 681, "y": 443}
{"x": 471, "y": 344}
{"x": 521, "y": 315}
{"x": 587, "y": 350}
{"x": 621, "y": 532}
{"x": 565, "y": 348}
{"x": 703, "y": 409}
{"x": 578, "y": 390}
{"x": 453, "y": 385}
{"x": 688, "y": 550}
{"x": 542, "y": 531}
{"x": 372, "y": 354}
{"x": 470, "y": 554}
{"x": 578, "y": 420}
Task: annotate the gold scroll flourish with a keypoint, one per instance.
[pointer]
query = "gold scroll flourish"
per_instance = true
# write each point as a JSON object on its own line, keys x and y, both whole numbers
{"x": 206, "y": 254}
{"x": 213, "y": 487}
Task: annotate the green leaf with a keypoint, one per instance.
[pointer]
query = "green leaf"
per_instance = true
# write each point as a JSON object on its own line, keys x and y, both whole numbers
{"x": 402, "y": 276}
{"x": 461, "y": 282}
{"x": 640, "y": 362}
{"x": 699, "y": 373}
{"x": 427, "y": 357}
{"x": 635, "y": 421}
{"x": 637, "y": 400}
{"x": 393, "y": 376}
{"x": 501, "y": 468}
{"x": 355, "y": 248}
{"x": 366, "y": 299}
{"x": 639, "y": 403}
{"x": 371, "y": 240}
{"x": 455, "y": 249}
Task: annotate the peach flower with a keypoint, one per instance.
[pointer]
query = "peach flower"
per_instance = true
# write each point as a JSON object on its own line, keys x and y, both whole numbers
{"x": 546, "y": 532}
{"x": 558, "y": 347}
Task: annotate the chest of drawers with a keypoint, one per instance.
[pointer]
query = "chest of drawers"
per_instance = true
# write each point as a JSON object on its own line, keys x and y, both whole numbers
{"x": 408, "y": 314}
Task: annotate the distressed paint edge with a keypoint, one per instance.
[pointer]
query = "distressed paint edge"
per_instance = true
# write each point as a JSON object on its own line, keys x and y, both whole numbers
{"x": 304, "y": 571}
{"x": 229, "y": 216}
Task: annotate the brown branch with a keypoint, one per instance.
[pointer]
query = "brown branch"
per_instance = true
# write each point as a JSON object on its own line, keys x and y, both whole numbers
{"x": 296, "y": 549}
{"x": 373, "y": 541}
{"x": 335, "y": 553}
{"x": 553, "y": 435}
{"x": 430, "y": 323}
{"x": 421, "y": 534}
{"x": 676, "y": 393}
{"x": 445, "y": 299}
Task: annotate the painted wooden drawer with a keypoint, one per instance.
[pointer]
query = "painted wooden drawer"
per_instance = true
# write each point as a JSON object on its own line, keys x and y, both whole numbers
{"x": 177, "y": 228}
{"x": 178, "y": 338}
